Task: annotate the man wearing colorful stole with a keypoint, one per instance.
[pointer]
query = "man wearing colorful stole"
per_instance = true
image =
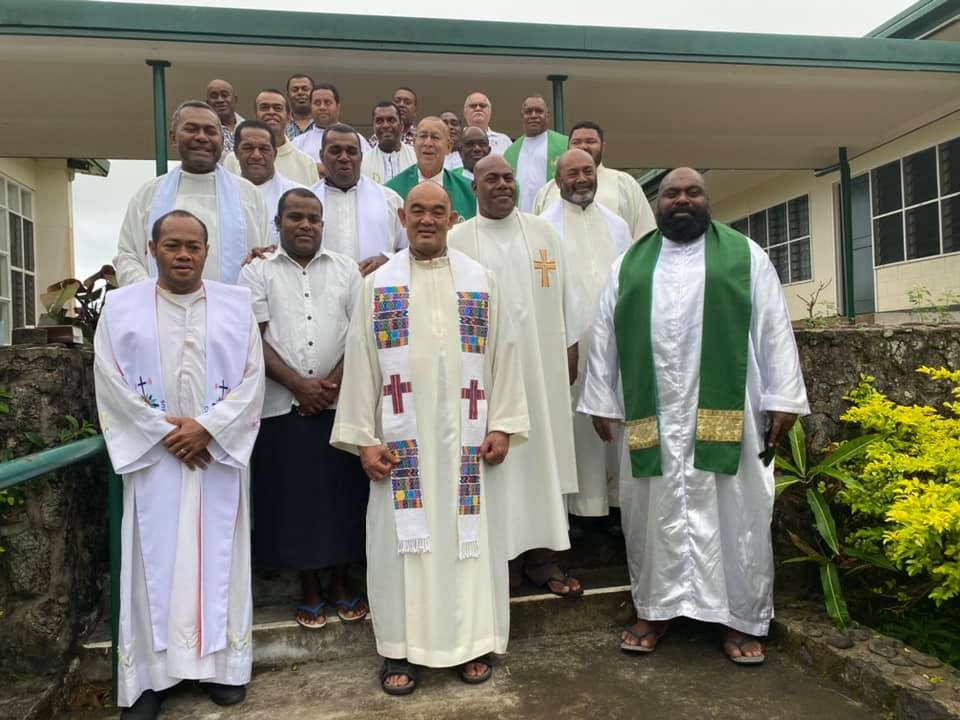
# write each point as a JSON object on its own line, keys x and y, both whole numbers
{"x": 232, "y": 209}
{"x": 526, "y": 492}
{"x": 533, "y": 156}
{"x": 431, "y": 144}
{"x": 694, "y": 320}
{"x": 432, "y": 392}
{"x": 179, "y": 382}
{"x": 591, "y": 238}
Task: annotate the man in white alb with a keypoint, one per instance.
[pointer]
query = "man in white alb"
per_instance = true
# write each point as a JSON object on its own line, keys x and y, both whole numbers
{"x": 533, "y": 156}
{"x": 325, "y": 105}
{"x": 390, "y": 155}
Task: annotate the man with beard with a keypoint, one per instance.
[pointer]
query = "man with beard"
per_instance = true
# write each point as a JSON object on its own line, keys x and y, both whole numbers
{"x": 390, "y": 155}
{"x": 270, "y": 107}
{"x": 453, "y": 160}
{"x": 431, "y": 146}
{"x": 325, "y": 107}
{"x": 526, "y": 492}
{"x": 693, "y": 319}
{"x": 533, "y": 156}
{"x": 221, "y": 97}
{"x": 477, "y": 111}
{"x": 230, "y": 207}
{"x": 361, "y": 219}
{"x": 299, "y": 88}
{"x": 617, "y": 191}
{"x": 592, "y": 238}
{"x": 474, "y": 146}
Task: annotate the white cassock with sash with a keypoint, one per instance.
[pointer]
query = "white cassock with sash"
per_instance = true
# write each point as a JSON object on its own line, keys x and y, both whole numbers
{"x": 590, "y": 240}
{"x": 231, "y": 208}
{"x": 381, "y": 167}
{"x": 361, "y": 222}
{"x": 436, "y": 574}
{"x": 526, "y": 490}
{"x": 291, "y": 163}
{"x": 311, "y": 143}
{"x": 698, "y": 542}
{"x": 618, "y": 192}
{"x": 185, "y": 605}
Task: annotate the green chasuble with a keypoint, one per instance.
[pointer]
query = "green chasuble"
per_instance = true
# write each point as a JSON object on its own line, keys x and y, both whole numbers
{"x": 727, "y": 309}
{"x": 557, "y": 145}
{"x": 457, "y": 187}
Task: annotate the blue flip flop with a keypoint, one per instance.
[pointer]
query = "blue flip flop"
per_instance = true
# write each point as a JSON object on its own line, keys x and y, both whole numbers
{"x": 348, "y": 605}
{"x": 318, "y": 616}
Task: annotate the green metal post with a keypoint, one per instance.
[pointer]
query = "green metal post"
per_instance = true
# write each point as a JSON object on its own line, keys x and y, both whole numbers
{"x": 115, "y": 501}
{"x": 159, "y": 114}
{"x": 557, "y": 81}
{"x": 846, "y": 234}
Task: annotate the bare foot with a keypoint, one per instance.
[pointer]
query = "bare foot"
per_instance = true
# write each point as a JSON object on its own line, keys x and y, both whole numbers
{"x": 740, "y": 645}
{"x": 645, "y": 633}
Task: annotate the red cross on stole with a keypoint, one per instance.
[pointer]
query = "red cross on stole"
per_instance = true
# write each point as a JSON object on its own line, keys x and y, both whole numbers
{"x": 395, "y": 389}
{"x": 473, "y": 393}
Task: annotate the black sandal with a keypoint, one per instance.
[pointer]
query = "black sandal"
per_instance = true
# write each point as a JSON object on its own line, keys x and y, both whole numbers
{"x": 477, "y": 679}
{"x": 397, "y": 667}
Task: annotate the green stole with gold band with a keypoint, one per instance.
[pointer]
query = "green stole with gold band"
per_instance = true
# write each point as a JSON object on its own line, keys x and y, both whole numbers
{"x": 723, "y": 355}
{"x": 458, "y": 188}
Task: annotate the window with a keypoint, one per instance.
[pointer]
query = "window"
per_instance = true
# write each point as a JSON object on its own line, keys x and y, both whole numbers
{"x": 17, "y": 259}
{"x": 784, "y": 231}
{"x": 916, "y": 205}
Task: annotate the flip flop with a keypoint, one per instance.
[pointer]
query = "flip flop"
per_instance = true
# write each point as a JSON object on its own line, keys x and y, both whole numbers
{"x": 397, "y": 667}
{"x": 743, "y": 659}
{"x": 350, "y": 605}
{"x": 638, "y": 648}
{"x": 570, "y": 594}
{"x": 318, "y": 617}
{"x": 476, "y": 679}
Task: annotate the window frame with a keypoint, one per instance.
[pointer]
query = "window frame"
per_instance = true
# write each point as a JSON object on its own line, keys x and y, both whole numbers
{"x": 7, "y": 302}
{"x": 790, "y": 241}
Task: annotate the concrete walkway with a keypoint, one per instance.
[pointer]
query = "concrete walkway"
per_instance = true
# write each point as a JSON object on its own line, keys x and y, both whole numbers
{"x": 578, "y": 675}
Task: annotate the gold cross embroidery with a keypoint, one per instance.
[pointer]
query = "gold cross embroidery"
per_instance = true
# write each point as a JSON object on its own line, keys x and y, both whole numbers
{"x": 544, "y": 265}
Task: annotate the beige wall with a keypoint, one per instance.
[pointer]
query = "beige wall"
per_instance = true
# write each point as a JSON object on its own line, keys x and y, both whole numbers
{"x": 891, "y": 282}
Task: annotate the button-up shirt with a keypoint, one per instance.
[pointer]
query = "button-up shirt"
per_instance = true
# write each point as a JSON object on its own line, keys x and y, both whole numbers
{"x": 307, "y": 311}
{"x": 293, "y": 130}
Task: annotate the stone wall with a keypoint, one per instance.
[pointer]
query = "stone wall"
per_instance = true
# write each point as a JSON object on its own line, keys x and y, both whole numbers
{"x": 55, "y": 541}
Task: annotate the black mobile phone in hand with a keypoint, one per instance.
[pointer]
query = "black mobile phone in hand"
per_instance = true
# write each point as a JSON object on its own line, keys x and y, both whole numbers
{"x": 769, "y": 451}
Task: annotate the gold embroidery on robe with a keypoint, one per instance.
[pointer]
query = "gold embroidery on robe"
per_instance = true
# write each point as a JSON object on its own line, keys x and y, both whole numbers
{"x": 643, "y": 433}
{"x": 719, "y": 425}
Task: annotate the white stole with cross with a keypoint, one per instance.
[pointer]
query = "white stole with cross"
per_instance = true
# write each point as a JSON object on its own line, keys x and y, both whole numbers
{"x": 131, "y": 316}
{"x": 391, "y": 329}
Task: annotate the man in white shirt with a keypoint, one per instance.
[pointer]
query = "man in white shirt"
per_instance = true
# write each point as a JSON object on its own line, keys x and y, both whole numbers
{"x": 452, "y": 121}
{"x": 303, "y": 296}
{"x": 390, "y": 155}
{"x": 477, "y": 111}
{"x": 474, "y": 146}
{"x": 271, "y": 108}
{"x": 325, "y": 105}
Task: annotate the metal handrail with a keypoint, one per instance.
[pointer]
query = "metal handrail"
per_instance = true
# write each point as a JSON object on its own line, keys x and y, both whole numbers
{"x": 20, "y": 470}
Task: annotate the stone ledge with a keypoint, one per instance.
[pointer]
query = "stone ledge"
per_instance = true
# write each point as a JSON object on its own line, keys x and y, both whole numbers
{"x": 885, "y": 673}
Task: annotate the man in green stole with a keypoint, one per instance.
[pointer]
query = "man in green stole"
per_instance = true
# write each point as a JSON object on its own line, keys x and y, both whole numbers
{"x": 533, "y": 155}
{"x": 431, "y": 144}
{"x": 694, "y": 321}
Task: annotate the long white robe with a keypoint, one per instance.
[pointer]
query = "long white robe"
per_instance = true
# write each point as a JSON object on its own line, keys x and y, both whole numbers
{"x": 272, "y": 190}
{"x": 291, "y": 163}
{"x": 382, "y": 167}
{"x": 433, "y": 608}
{"x": 311, "y": 142}
{"x": 196, "y": 194}
{"x": 591, "y": 239}
{"x": 341, "y": 222}
{"x": 617, "y": 191}
{"x": 531, "y": 168}
{"x": 181, "y": 325}
{"x": 527, "y": 488}
{"x": 698, "y": 543}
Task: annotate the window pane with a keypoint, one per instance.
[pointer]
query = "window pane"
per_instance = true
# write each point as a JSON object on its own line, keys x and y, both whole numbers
{"x": 951, "y": 224}
{"x": 17, "y": 298}
{"x": 29, "y": 300}
{"x": 16, "y": 246}
{"x": 888, "y": 239}
{"x": 4, "y": 230}
{"x": 923, "y": 231}
{"x": 920, "y": 177}
{"x": 777, "y": 222}
{"x": 950, "y": 167}
{"x": 885, "y": 184}
{"x": 800, "y": 261}
{"x": 799, "y": 212}
{"x": 4, "y": 317}
{"x": 4, "y": 276}
{"x": 780, "y": 257}
{"x": 13, "y": 197}
{"x": 28, "y": 255}
{"x": 758, "y": 228}
{"x": 741, "y": 226}
{"x": 26, "y": 206}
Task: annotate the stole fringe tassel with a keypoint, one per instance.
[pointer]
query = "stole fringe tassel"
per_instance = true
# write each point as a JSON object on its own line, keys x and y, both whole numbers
{"x": 469, "y": 549}
{"x": 414, "y": 545}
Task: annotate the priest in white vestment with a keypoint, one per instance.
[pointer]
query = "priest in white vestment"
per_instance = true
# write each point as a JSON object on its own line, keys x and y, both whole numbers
{"x": 533, "y": 155}
{"x": 477, "y": 112}
{"x": 617, "y": 191}
{"x": 432, "y": 395}
{"x": 591, "y": 238}
{"x": 474, "y": 146}
{"x": 360, "y": 215}
{"x": 390, "y": 156}
{"x": 272, "y": 109}
{"x": 179, "y": 383}
{"x": 453, "y": 160}
{"x": 232, "y": 209}
{"x": 694, "y": 349}
{"x": 325, "y": 105}
{"x": 522, "y": 251}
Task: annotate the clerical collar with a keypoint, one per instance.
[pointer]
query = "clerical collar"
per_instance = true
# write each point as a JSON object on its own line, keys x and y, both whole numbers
{"x": 183, "y": 299}
{"x": 331, "y": 186}
{"x": 265, "y": 182}
{"x": 438, "y": 178}
{"x": 576, "y": 208}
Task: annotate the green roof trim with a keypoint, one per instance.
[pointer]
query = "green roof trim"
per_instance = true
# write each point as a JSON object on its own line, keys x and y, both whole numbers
{"x": 85, "y": 18}
{"x": 918, "y": 20}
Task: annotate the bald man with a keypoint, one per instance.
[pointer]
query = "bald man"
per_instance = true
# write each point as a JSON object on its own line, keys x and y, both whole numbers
{"x": 477, "y": 111}
{"x": 221, "y": 97}
{"x": 693, "y": 351}
{"x": 431, "y": 395}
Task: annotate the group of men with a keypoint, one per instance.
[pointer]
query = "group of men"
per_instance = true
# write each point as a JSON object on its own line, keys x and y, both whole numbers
{"x": 330, "y": 353}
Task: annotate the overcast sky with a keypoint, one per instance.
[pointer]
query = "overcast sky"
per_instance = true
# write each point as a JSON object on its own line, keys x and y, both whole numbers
{"x": 99, "y": 203}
